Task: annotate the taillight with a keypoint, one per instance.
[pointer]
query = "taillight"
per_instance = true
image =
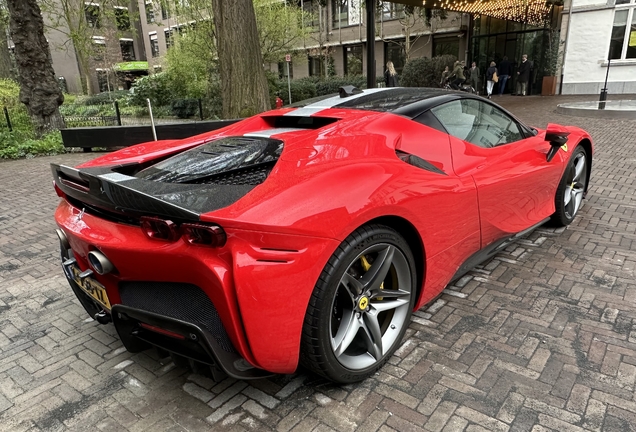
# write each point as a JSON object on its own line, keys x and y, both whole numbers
{"x": 58, "y": 191}
{"x": 203, "y": 235}
{"x": 159, "y": 229}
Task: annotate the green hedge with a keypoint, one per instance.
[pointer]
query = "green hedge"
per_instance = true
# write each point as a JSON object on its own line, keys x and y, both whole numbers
{"x": 425, "y": 72}
{"x": 16, "y": 144}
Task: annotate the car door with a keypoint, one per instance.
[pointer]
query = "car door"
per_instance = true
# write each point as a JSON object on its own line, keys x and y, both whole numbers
{"x": 515, "y": 184}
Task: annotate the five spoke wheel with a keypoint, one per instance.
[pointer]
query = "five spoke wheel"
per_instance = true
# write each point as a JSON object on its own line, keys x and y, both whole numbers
{"x": 576, "y": 186}
{"x": 361, "y": 305}
{"x": 571, "y": 190}
{"x": 370, "y": 306}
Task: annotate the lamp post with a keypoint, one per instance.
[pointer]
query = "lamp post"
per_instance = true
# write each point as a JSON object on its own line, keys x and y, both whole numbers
{"x": 603, "y": 97}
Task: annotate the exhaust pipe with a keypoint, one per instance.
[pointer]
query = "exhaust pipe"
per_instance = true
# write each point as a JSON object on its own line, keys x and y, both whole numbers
{"x": 100, "y": 263}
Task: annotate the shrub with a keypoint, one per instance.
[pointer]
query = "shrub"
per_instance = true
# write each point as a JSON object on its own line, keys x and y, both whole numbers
{"x": 184, "y": 108}
{"x": 154, "y": 87}
{"x": 104, "y": 98}
{"x": 425, "y": 72}
{"x": 332, "y": 84}
{"x": 16, "y": 144}
{"x": 9, "y": 93}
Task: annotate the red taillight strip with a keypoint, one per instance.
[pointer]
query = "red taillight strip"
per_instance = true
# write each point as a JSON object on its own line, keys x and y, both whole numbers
{"x": 74, "y": 185}
{"x": 162, "y": 331}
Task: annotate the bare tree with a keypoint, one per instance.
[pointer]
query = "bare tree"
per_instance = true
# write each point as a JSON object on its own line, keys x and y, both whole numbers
{"x": 243, "y": 84}
{"x": 39, "y": 89}
{"x": 80, "y": 21}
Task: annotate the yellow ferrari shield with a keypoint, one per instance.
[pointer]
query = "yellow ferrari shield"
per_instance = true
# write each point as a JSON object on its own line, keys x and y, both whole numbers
{"x": 564, "y": 147}
{"x": 363, "y": 303}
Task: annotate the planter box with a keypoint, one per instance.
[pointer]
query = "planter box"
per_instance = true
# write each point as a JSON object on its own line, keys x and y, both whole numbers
{"x": 122, "y": 136}
{"x": 548, "y": 87}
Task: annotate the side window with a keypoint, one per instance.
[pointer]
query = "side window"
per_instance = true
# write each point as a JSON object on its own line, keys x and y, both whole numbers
{"x": 478, "y": 123}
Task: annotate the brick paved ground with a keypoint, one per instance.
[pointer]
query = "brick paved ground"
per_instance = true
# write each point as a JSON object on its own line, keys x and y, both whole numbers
{"x": 543, "y": 337}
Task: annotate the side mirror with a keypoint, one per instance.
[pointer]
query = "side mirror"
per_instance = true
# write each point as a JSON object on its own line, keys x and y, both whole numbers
{"x": 557, "y": 136}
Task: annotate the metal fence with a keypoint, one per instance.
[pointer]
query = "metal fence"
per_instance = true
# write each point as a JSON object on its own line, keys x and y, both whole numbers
{"x": 75, "y": 116}
{"x": 15, "y": 119}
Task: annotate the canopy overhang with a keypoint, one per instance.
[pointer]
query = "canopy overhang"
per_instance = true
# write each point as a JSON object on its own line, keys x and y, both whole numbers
{"x": 533, "y": 12}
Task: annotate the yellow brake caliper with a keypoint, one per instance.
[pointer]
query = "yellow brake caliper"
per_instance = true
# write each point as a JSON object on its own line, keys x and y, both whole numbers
{"x": 366, "y": 266}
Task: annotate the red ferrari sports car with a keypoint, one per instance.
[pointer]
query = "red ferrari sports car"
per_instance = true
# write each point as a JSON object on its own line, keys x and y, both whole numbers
{"x": 308, "y": 234}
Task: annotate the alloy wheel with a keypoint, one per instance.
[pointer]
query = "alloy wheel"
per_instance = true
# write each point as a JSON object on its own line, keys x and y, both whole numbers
{"x": 575, "y": 186}
{"x": 371, "y": 306}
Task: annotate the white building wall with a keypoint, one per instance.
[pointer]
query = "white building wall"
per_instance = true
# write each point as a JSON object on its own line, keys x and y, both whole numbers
{"x": 585, "y": 64}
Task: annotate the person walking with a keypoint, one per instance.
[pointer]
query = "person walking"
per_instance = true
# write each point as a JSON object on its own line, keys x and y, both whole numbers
{"x": 474, "y": 77}
{"x": 523, "y": 75}
{"x": 445, "y": 76}
{"x": 390, "y": 75}
{"x": 458, "y": 74}
{"x": 490, "y": 78}
{"x": 504, "y": 71}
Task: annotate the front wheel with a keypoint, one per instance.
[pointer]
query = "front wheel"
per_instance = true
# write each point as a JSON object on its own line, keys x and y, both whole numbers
{"x": 360, "y": 307}
{"x": 569, "y": 196}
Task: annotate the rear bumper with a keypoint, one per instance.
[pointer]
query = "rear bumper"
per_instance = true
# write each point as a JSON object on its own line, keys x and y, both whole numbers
{"x": 258, "y": 284}
{"x": 196, "y": 342}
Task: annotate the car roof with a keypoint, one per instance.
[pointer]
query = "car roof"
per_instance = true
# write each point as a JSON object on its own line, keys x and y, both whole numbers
{"x": 407, "y": 101}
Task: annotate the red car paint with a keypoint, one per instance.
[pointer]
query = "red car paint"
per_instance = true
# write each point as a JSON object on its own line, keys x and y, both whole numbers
{"x": 327, "y": 183}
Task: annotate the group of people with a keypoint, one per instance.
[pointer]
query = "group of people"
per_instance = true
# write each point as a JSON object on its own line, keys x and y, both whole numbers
{"x": 494, "y": 74}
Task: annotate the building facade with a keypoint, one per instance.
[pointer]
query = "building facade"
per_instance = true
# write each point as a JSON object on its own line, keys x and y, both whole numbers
{"x": 600, "y": 43}
{"x": 595, "y": 34}
{"x": 115, "y": 54}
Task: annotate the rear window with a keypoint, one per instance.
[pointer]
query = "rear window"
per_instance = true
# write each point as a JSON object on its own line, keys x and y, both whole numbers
{"x": 226, "y": 155}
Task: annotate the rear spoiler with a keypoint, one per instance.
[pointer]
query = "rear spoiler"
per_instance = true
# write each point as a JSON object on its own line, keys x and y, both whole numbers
{"x": 105, "y": 190}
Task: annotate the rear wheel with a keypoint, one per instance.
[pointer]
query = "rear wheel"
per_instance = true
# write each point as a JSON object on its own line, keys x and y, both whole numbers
{"x": 360, "y": 307}
{"x": 569, "y": 196}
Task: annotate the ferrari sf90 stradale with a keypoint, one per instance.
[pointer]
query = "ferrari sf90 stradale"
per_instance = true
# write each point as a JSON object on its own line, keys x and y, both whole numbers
{"x": 308, "y": 234}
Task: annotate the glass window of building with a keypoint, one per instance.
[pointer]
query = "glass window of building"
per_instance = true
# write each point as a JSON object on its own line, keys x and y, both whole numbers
{"x": 150, "y": 12}
{"x": 154, "y": 44}
{"x": 99, "y": 47}
{"x": 391, "y": 11}
{"x": 168, "y": 34}
{"x": 282, "y": 70}
{"x": 353, "y": 60}
{"x": 446, "y": 45}
{"x": 316, "y": 66}
{"x": 127, "y": 50}
{"x": 122, "y": 18}
{"x": 340, "y": 11}
{"x": 394, "y": 52}
{"x": 103, "y": 81}
{"x": 311, "y": 8}
{"x": 165, "y": 10}
{"x": 91, "y": 13}
{"x": 623, "y": 40}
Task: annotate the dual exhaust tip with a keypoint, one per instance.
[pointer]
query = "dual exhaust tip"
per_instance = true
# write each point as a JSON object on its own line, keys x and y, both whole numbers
{"x": 96, "y": 259}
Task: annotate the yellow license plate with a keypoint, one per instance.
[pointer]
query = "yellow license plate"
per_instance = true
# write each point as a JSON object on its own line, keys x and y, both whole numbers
{"x": 92, "y": 288}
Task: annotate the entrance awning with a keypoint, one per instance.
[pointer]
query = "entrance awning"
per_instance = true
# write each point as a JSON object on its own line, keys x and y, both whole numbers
{"x": 134, "y": 66}
{"x": 533, "y": 12}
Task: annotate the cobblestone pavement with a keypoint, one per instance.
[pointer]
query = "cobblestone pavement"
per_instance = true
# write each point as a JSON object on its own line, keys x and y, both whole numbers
{"x": 542, "y": 337}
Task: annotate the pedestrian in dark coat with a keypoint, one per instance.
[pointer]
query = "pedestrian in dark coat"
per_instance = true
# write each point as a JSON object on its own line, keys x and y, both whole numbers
{"x": 504, "y": 73}
{"x": 523, "y": 75}
{"x": 391, "y": 76}
{"x": 474, "y": 77}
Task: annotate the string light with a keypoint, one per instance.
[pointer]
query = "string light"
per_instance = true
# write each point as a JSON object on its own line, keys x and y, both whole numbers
{"x": 533, "y": 12}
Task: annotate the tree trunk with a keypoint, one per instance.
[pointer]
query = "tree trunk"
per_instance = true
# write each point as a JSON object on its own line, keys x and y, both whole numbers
{"x": 39, "y": 89}
{"x": 6, "y": 68}
{"x": 244, "y": 87}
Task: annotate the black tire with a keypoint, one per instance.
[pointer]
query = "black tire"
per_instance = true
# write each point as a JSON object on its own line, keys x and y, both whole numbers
{"x": 382, "y": 322}
{"x": 571, "y": 186}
